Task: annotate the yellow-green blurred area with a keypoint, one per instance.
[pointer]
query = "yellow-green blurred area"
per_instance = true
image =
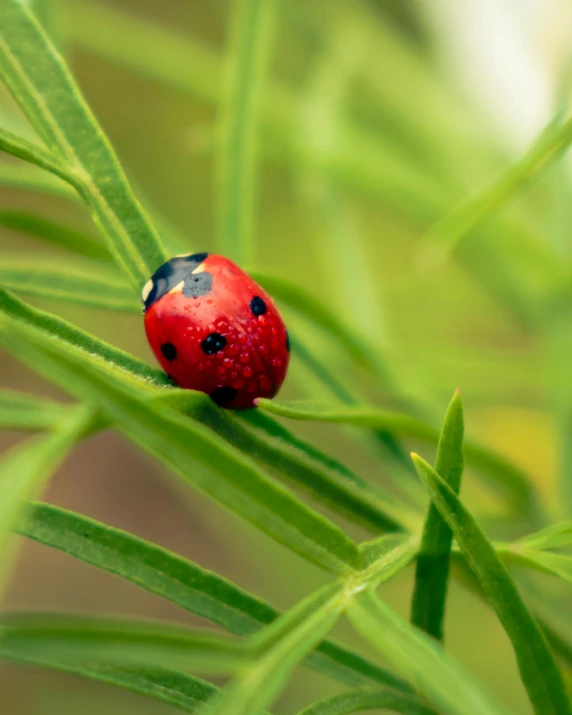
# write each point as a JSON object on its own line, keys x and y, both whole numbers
{"x": 379, "y": 118}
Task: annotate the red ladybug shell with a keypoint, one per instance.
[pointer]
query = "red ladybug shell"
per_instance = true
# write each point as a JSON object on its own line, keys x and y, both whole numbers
{"x": 214, "y": 329}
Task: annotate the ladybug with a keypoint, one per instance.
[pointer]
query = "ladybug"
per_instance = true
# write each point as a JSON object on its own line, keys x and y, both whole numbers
{"x": 214, "y": 329}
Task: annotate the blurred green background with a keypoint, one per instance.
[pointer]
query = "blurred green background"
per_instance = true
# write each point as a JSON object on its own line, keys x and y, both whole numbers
{"x": 379, "y": 118}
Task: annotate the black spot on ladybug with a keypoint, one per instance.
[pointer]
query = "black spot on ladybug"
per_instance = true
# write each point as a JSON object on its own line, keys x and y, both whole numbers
{"x": 258, "y": 306}
{"x": 170, "y": 274}
{"x": 213, "y": 343}
{"x": 288, "y": 341}
{"x": 197, "y": 285}
{"x": 169, "y": 351}
{"x": 223, "y": 395}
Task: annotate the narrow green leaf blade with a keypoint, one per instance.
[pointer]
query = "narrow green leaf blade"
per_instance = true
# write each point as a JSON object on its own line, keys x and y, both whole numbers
{"x": 181, "y": 582}
{"x": 557, "y": 565}
{"x": 358, "y": 702}
{"x": 26, "y": 467}
{"x": 540, "y": 673}
{"x": 501, "y": 471}
{"x": 26, "y": 150}
{"x": 434, "y": 673}
{"x": 28, "y": 177}
{"x": 188, "y": 448}
{"x": 239, "y": 125}
{"x": 40, "y": 82}
{"x": 126, "y": 642}
{"x": 58, "y": 234}
{"x": 283, "y": 644}
{"x": 136, "y": 369}
{"x": 180, "y": 690}
{"x": 79, "y": 283}
{"x": 432, "y": 571}
{"x": 555, "y": 536}
{"x": 22, "y": 411}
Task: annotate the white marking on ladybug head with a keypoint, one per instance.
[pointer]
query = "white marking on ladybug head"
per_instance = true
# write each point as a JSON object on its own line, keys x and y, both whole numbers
{"x": 147, "y": 288}
{"x": 178, "y": 288}
{"x": 199, "y": 269}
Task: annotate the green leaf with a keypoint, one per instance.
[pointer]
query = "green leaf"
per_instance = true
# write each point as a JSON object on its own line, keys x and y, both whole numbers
{"x": 501, "y": 472}
{"x": 94, "y": 286}
{"x": 40, "y": 82}
{"x": 188, "y": 448}
{"x": 283, "y": 645}
{"x": 555, "y": 536}
{"x": 239, "y": 125}
{"x": 539, "y": 671}
{"x": 21, "y": 411}
{"x": 344, "y": 489}
{"x": 432, "y": 571}
{"x": 356, "y": 702}
{"x": 557, "y": 565}
{"x": 55, "y": 233}
{"x": 180, "y": 690}
{"x": 548, "y": 147}
{"x": 130, "y": 366}
{"x": 28, "y": 151}
{"x": 434, "y": 673}
{"x": 308, "y": 469}
{"x": 119, "y": 641}
{"x": 26, "y": 467}
{"x": 28, "y": 177}
{"x": 183, "y": 583}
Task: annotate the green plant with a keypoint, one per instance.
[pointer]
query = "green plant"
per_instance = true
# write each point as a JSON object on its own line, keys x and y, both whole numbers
{"x": 249, "y": 463}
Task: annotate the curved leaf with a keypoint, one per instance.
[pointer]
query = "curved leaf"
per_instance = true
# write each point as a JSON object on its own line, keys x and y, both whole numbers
{"x": 434, "y": 673}
{"x": 40, "y": 82}
{"x": 356, "y": 702}
{"x": 501, "y": 471}
{"x": 539, "y": 671}
{"x": 30, "y": 178}
{"x": 26, "y": 150}
{"x": 432, "y": 572}
{"x": 182, "y": 582}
